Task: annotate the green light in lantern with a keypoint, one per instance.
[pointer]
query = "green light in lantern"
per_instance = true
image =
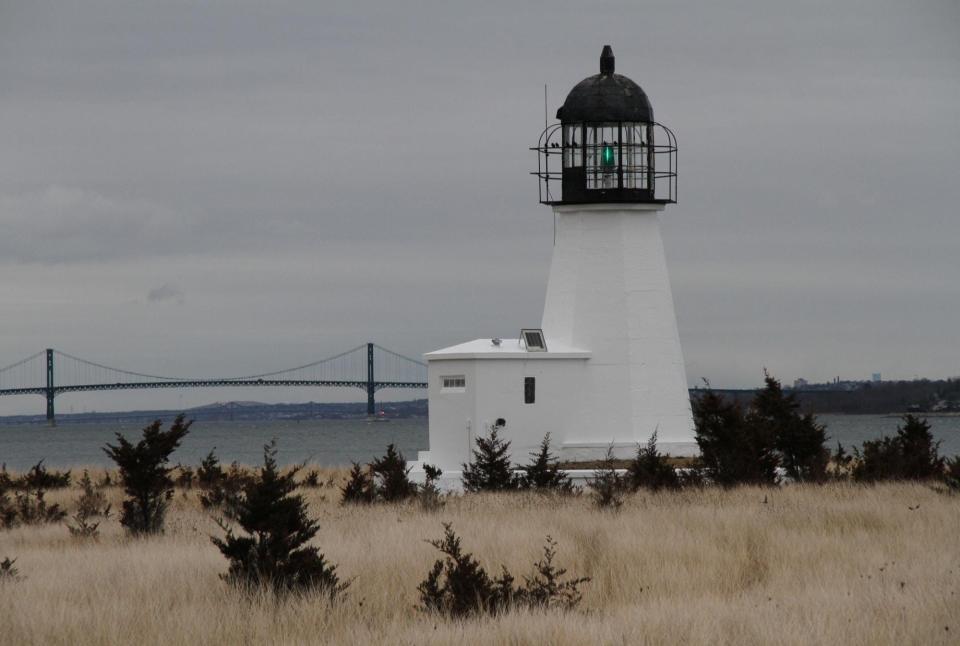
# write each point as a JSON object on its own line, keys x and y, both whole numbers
{"x": 607, "y": 158}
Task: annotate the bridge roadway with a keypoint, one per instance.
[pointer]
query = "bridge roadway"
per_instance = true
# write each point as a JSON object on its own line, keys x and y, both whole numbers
{"x": 211, "y": 383}
{"x": 404, "y": 372}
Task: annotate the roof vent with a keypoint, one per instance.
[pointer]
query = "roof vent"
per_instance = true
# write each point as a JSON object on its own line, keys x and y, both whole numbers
{"x": 532, "y": 339}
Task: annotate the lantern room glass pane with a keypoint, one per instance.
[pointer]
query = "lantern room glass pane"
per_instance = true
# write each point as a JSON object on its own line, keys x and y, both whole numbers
{"x": 637, "y": 156}
{"x": 603, "y": 155}
{"x": 572, "y": 146}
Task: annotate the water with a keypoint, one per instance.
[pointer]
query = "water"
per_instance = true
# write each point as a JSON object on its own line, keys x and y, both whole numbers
{"x": 321, "y": 441}
{"x": 330, "y": 442}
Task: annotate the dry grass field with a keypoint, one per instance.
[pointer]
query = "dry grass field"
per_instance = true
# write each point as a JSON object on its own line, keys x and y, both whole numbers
{"x": 838, "y": 564}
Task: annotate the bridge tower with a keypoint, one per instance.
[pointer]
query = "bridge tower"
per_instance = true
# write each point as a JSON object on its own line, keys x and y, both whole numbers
{"x": 371, "y": 383}
{"x": 608, "y": 290}
{"x": 49, "y": 392}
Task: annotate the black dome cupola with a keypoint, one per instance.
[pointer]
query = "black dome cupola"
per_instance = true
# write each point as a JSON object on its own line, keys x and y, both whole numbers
{"x": 607, "y": 146}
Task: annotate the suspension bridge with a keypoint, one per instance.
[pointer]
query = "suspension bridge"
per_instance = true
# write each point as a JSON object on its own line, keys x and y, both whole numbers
{"x": 369, "y": 367}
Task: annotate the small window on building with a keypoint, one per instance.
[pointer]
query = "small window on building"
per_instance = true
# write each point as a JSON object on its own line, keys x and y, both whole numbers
{"x": 533, "y": 340}
{"x": 529, "y": 390}
{"x": 453, "y": 383}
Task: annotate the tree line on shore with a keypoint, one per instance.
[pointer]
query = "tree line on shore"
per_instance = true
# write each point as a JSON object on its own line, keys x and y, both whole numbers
{"x": 267, "y": 531}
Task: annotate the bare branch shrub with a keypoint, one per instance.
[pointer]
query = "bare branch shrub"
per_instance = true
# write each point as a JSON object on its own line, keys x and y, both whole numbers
{"x": 91, "y": 504}
{"x": 457, "y": 585}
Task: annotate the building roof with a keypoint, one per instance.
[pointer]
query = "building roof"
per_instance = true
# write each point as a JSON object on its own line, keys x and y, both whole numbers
{"x": 508, "y": 349}
{"x": 606, "y": 97}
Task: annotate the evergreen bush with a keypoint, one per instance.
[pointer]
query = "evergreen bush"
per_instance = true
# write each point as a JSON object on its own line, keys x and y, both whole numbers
{"x": 273, "y": 551}
{"x": 219, "y": 488}
{"x": 651, "y": 470}
{"x": 359, "y": 488}
{"x": 911, "y": 455}
{"x": 145, "y": 474}
{"x": 186, "y": 477}
{"x": 385, "y": 479}
{"x": 210, "y": 474}
{"x": 390, "y": 475}
{"x": 952, "y": 473}
{"x": 798, "y": 439}
{"x": 490, "y": 469}
{"x": 733, "y": 448}
{"x": 39, "y": 477}
{"x": 607, "y": 485}
{"x": 428, "y": 494}
{"x": 543, "y": 473}
{"x": 311, "y": 480}
{"x": 8, "y": 573}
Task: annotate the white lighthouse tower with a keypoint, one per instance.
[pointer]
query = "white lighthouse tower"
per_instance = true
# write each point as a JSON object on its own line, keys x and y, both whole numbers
{"x": 608, "y": 289}
{"x": 605, "y": 365}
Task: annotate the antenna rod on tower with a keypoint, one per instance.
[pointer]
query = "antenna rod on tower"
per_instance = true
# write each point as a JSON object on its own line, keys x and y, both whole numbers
{"x": 544, "y": 106}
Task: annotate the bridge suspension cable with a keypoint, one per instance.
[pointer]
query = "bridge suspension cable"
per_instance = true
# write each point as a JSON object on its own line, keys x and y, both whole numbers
{"x": 370, "y": 367}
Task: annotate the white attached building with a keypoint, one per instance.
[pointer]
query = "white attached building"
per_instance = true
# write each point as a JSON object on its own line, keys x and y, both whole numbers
{"x": 605, "y": 366}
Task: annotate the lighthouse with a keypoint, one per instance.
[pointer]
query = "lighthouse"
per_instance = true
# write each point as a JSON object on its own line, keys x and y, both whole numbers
{"x": 608, "y": 288}
{"x": 604, "y": 366}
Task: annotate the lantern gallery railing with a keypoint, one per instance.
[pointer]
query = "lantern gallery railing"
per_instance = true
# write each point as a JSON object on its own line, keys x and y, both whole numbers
{"x": 607, "y": 162}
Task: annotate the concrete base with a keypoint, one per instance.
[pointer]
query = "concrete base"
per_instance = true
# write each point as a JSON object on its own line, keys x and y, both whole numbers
{"x": 452, "y": 481}
{"x": 578, "y": 451}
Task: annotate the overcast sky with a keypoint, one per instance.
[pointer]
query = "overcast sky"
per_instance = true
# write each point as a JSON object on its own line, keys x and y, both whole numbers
{"x": 219, "y": 188}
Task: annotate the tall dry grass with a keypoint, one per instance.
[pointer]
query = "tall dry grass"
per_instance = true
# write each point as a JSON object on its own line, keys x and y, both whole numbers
{"x": 838, "y": 564}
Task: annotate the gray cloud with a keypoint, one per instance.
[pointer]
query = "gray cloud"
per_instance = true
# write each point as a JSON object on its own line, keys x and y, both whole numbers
{"x": 321, "y": 174}
{"x": 165, "y": 293}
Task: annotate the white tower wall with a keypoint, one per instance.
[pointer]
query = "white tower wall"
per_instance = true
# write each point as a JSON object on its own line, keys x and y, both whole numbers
{"x": 609, "y": 292}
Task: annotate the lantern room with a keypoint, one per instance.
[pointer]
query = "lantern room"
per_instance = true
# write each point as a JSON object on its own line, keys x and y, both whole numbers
{"x": 607, "y": 146}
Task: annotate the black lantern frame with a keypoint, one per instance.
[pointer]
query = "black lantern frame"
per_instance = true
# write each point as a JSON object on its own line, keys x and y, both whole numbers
{"x": 584, "y": 162}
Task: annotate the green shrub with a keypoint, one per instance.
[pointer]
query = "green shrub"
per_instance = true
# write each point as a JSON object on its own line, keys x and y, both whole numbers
{"x": 145, "y": 474}
{"x": 490, "y": 469}
{"x": 8, "y": 573}
{"x": 798, "y": 439}
{"x": 218, "y": 488}
{"x": 186, "y": 477}
{"x": 428, "y": 494}
{"x": 8, "y": 513}
{"x": 952, "y": 473}
{"x": 6, "y": 482}
{"x": 359, "y": 489}
{"x": 651, "y": 470}
{"x": 385, "y": 479}
{"x": 28, "y": 508}
{"x": 273, "y": 551}
{"x": 733, "y": 449}
{"x": 210, "y": 474}
{"x": 457, "y": 586}
{"x": 543, "y": 473}
{"x": 311, "y": 480}
{"x": 39, "y": 477}
{"x": 391, "y": 477}
{"x": 91, "y": 504}
{"x": 911, "y": 455}
{"x": 607, "y": 485}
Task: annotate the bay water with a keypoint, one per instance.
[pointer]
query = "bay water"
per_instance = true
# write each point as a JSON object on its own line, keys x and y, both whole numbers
{"x": 329, "y": 442}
